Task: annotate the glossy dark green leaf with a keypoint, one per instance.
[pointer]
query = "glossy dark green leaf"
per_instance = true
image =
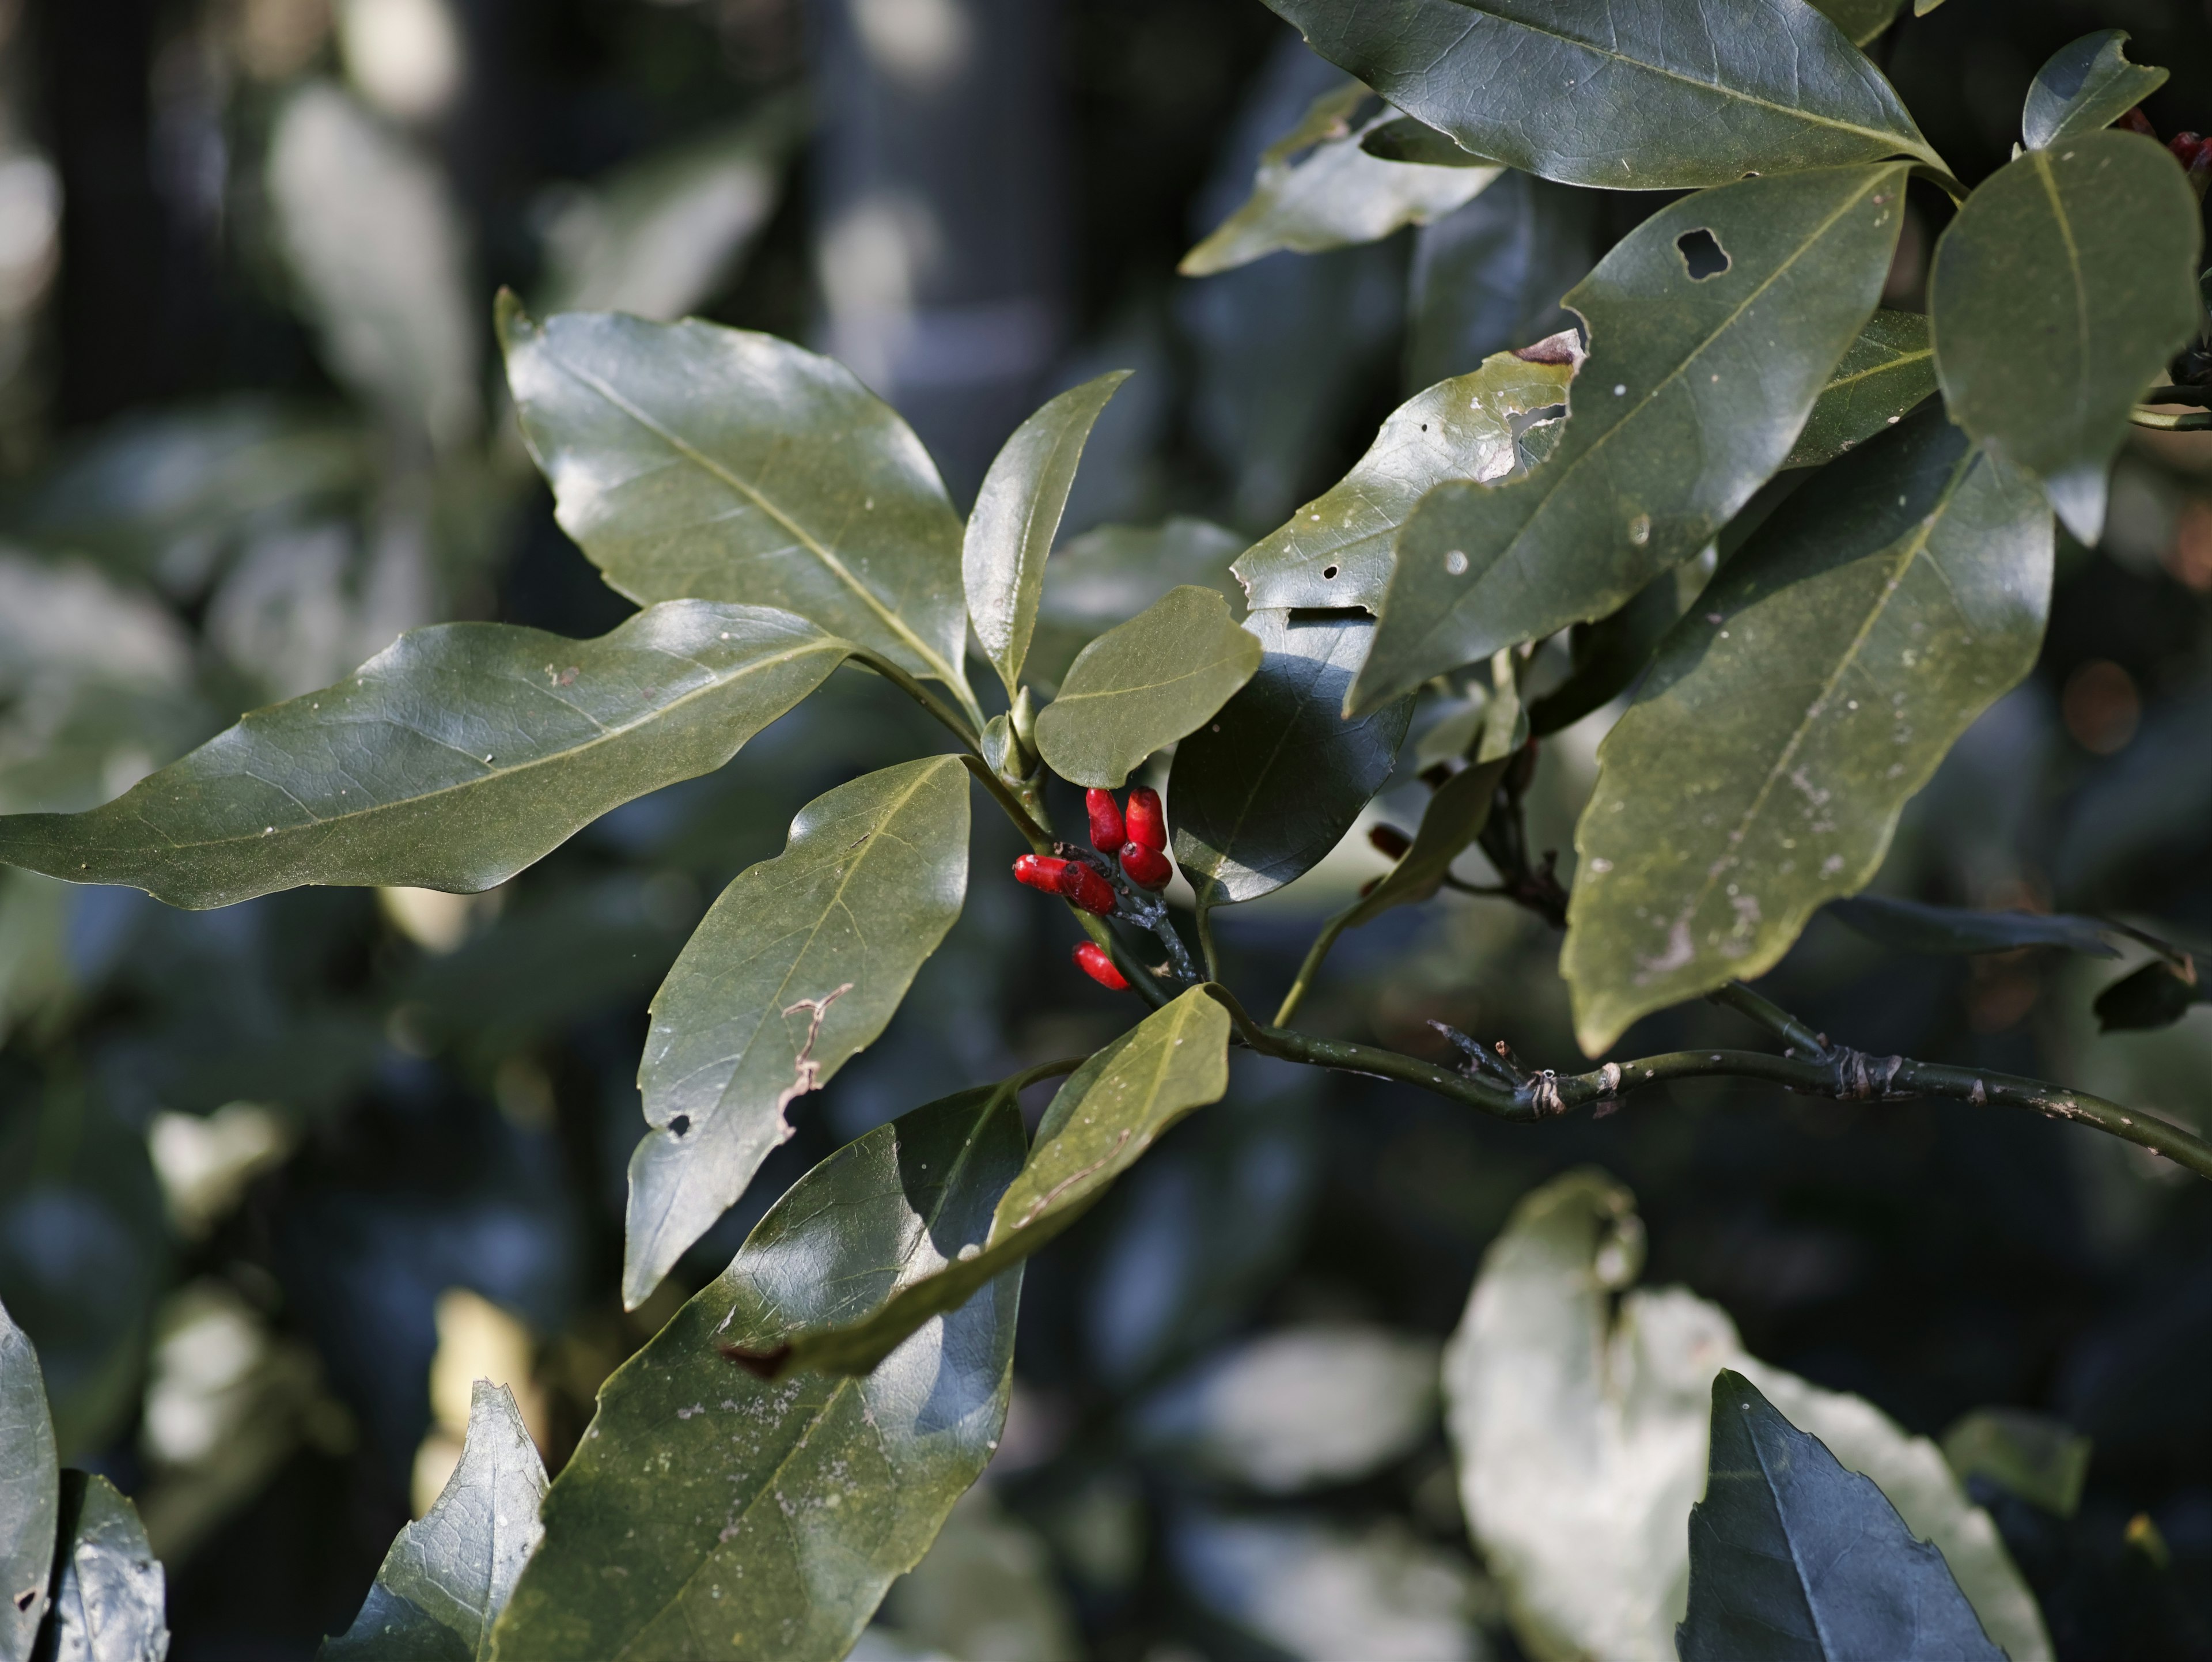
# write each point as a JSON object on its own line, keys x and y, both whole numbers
{"x": 1337, "y": 551}
{"x": 1111, "y": 1110}
{"x": 1454, "y": 818}
{"x": 691, "y": 460}
{"x": 1606, "y": 656}
{"x": 1490, "y": 276}
{"x": 1794, "y": 1559}
{"x": 2157, "y": 995}
{"x": 794, "y": 971}
{"x": 1109, "y": 574}
{"x": 1262, "y": 792}
{"x": 451, "y": 760}
{"x": 1862, "y": 20}
{"x": 450, "y": 1573}
{"x": 1401, "y": 139}
{"x": 1695, "y": 389}
{"x": 707, "y": 1512}
{"x": 1016, "y": 517}
{"x": 1910, "y": 926}
{"x": 1318, "y": 189}
{"x": 1659, "y": 96}
{"x": 110, "y": 1595}
{"x": 1813, "y": 687}
{"x": 1143, "y": 685}
{"x": 30, "y": 1495}
{"x": 2043, "y": 1460}
{"x": 1890, "y": 369}
{"x": 2087, "y": 84}
{"x": 2057, "y": 297}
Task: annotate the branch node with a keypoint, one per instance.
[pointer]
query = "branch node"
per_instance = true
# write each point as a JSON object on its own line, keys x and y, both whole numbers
{"x": 1542, "y": 1093}
{"x": 1862, "y": 1078}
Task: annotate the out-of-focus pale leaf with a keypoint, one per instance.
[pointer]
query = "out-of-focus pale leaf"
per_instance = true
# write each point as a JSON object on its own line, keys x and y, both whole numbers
{"x": 1910, "y": 926}
{"x": 1490, "y": 276}
{"x": 1581, "y": 1429}
{"x": 110, "y": 1596}
{"x": 795, "y": 970}
{"x": 2042, "y": 1460}
{"x": 1109, "y": 574}
{"x": 1889, "y": 368}
{"x": 1317, "y": 188}
{"x": 380, "y": 253}
{"x": 985, "y": 1591}
{"x": 2086, "y": 84}
{"x": 1298, "y": 1408}
{"x": 30, "y": 1494}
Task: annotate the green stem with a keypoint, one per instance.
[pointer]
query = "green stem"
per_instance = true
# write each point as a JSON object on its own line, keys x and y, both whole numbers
{"x": 1315, "y": 955}
{"x": 1206, "y": 934}
{"x": 966, "y": 730}
{"x": 1040, "y": 838}
{"x": 1795, "y": 1035}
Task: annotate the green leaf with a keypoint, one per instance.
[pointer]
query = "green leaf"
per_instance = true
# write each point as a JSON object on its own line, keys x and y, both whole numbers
{"x": 1267, "y": 789}
{"x": 690, "y": 460}
{"x": 1454, "y": 818}
{"x": 1910, "y": 926}
{"x": 2157, "y": 995}
{"x": 1664, "y": 97}
{"x": 30, "y": 1495}
{"x": 451, "y": 1573}
{"x": 1490, "y": 276}
{"x": 795, "y": 970}
{"x": 451, "y": 760}
{"x": 2087, "y": 84}
{"x": 1337, "y": 549}
{"x": 1317, "y": 189}
{"x": 1109, "y": 574}
{"x": 1111, "y": 1110}
{"x": 1606, "y": 656}
{"x": 1814, "y": 687}
{"x": 1694, "y": 391}
{"x": 1017, "y": 516}
{"x": 2057, "y": 297}
{"x": 706, "y": 1511}
{"x": 110, "y": 1597}
{"x": 1793, "y": 1558}
{"x": 1144, "y": 684}
{"x": 1862, "y": 20}
{"x": 2043, "y": 1460}
{"x": 1889, "y": 370}
{"x": 1401, "y": 139}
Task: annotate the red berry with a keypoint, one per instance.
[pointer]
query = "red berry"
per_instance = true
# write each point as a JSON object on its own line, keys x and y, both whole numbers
{"x": 1086, "y": 888}
{"x": 2184, "y": 147}
{"x": 1146, "y": 867}
{"x": 1092, "y": 959}
{"x": 2136, "y": 122}
{"x": 1148, "y": 825}
{"x": 1107, "y": 833}
{"x": 1389, "y": 842}
{"x": 1040, "y": 871}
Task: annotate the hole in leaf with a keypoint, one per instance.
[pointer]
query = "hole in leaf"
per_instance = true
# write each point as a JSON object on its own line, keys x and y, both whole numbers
{"x": 23, "y": 1599}
{"x": 680, "y": 1125}
{"x": 1327, "y": 571}
{"x": 1701, "y": 254}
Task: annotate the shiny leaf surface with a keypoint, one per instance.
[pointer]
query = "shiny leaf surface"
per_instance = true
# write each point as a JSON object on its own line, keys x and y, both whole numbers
{"x": 1910, "y": 926}
{"x": 691, "y": 460}
{"x": 1268, "y": 788}
{"x": 1144, "y": 684}
{"x": 1109, "y": 574}
{"x": 1016, "y": 517}
{"x": 1814, "y": 687}
{"x": 2086, "y": 85}
{"x": 451, "y": 760}
{"x": 2088, "y": 251}
{"x": 1890, "y": 369}
{"x": 1694, "y": 391}
{"x": 30, "y": 1495}
{"x": 1664, "y": 95}
{"x": 709, "y": 1510}
{"x": 795, "y": 970}
{"x": 110, "y": 1597}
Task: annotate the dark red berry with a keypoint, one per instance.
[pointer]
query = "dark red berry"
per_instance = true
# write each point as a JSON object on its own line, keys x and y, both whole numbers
{"x": 1092, "y": 959}
{"x": 1040, "y": 871}
{"x": 1389, "y": 842}
{"x": 1147, "y": 823}
{"x": 1436, "y": 776}
{"x": 1086, "y": 888}
{"x": 2136, "y": 122}
{"x": 1106, "y": 832}
{"x": 2184, "y": 147}
{"x": 1147, "y": 867}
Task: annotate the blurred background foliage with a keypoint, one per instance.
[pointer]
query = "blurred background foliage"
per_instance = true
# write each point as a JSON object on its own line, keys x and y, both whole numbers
{"x": 280, "y": 1180}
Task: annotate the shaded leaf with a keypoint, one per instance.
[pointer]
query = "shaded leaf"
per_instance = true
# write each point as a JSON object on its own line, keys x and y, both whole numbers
{"x": 706, "y": 1505}
{"x": 1793, "y": 1557}
{"x": 1260, "y": 793}
{"x": 1814, "y": 687}
{"x": 1910, "y": 926}
{"x": 1337, "y": 549}
{"x": 1111, "y": 1110}
{"x": 451, "y": 760}
{"x": 110, "y": 1595}
{"x": 1144, "y": 684}
{"x": 30, "y": 1494}
{"x": 1109, "y": 574}
{"x": 1490, "y": 276}
{"x": 691, "y": 460}
{"x": 1317, "y": 188}
{"x": 795, "y": 970}
{"x": 2043, "y": 1460}
{"x": 1606, "y": 656}
{"x": 1454, "y": 818}
{"x": 1890, "y": 369}
{"x": 2088, "y": 251}
{"x": 1862, "y": 20}
{"x": 450, "y": 1573}
{"x": 1016, "y": 517}
{"x": 1656, "y": 97}
{"x": 2157, "y": 995}
{"x": 1401, "y": 138}
{"x": 2087, "y": 84}
{"x": 1694, "y": 391}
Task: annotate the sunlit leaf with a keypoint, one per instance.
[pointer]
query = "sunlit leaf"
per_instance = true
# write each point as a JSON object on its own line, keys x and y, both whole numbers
{"x": 1890, "y": 369}
{"x": 1911, "y": 926}
{"x": 705, "y": 1506}
{"x": 110, "y": 1596}
{"x": 2043, "y": 1460}
{"x": 795, "y": 970}
{"x": 1110, "y": 574}
{"x": 1699, "y": 380}
{"x": 1490, "y": 276}
{"x": 1814, "y": 687}
{"x": 451, "y": 760}
{"x": 2087, "y": 84}
{"x": 2088, "y": 251}
{"x": 30, "y": 1494}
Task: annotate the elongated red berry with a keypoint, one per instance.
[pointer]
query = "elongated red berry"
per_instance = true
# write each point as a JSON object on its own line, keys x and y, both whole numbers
{"x": 1092, "y": 959}
{"x": 2184, "y": 147}
{"x": 2136, "y": 122}
{"x": 1389, "y": 842}
{"x": 1040, "y": 871}
{"x": 1146, "y": 867}
{"x": 1147, "y": 824}
{"x": 1106, "y": 832}
{"x": 1086, "y": 888}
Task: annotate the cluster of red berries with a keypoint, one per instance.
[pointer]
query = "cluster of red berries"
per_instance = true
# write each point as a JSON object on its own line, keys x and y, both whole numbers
{"x": 1139, "y": 838}
{"x": 2189, "y": 149}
